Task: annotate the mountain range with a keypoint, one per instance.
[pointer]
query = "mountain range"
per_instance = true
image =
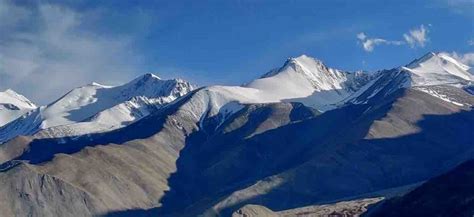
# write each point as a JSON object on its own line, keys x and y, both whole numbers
{"x": 299, "y": 139}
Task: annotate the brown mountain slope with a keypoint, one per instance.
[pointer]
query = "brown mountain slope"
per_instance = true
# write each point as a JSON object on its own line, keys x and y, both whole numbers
{"x": 279, "y": 155}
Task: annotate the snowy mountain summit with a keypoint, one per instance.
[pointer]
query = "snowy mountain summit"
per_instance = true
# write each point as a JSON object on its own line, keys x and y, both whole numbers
{"x": 98, "y": 108}
{"x": 433, "y": 73}
{"x": 436, "y": 69}
{"x": 13, "y": 105}
{"x": 308, "y": 80}
{"x": 317, "y": 74}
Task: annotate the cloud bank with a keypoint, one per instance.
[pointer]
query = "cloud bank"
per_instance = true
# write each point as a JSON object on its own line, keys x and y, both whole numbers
{"x": 45, "y": 49}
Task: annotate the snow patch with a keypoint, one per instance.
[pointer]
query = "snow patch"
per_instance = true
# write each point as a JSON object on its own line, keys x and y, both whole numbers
{"x": 439, "y": 95}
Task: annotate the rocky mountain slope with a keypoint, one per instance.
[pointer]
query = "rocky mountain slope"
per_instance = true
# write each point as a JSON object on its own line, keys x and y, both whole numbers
{"x": 218, "y": 148}
{"x": 449, "y": 194}
{"x": 345, "y": 208}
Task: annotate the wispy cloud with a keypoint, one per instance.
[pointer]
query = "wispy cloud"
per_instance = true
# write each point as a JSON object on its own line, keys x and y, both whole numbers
{"x": 45, "y": 49}
{"x": 470, "y": 42}
{"x": 369, "y": 43}
{"x": 463, "y": 7}
{"x": 416, "y": 37}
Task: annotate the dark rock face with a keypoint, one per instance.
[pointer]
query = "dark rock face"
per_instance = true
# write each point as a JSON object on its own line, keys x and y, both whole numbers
{"x": 450, "y": 194}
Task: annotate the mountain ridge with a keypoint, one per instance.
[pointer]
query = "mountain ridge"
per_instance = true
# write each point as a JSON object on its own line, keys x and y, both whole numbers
{"x": 218, "y": 148}
{"x": 300, "y": 79}
{"x": 82, "y": 103}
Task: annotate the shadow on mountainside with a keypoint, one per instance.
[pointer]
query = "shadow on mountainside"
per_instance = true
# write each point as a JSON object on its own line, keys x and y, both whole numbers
{"x": 321, "y": 159}
{"x": 247, "y": 160}
{"x": 449, "y": 194}
{"x": 371, "y": 165}
{"x": 212, "y": 166}
{"x": 43, "y": 150}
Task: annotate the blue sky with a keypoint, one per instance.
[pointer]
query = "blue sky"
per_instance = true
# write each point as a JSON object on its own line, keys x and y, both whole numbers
{"x": 72, "y": 43}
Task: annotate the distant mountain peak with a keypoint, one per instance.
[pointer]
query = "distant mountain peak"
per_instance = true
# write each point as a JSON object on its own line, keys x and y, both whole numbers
{"x": 439, "y": 58}
{"x": 148, "y": 76}
{"x": 309, "y": 80}
{"x": 304, "y": 57}
{"x": 12, "y": 97}
{"x": 10, "y": 91}
{"x": 140, "y": 80}
{"x": 13, "y": 105}
{"x": 145, "y": 78}
{"x": 303, "y": 60}
{"x": 303, "y": 64}
{"x": 95, "y": 103}
{"x": 436, "y": 69}
{"x": 150, "y": 85}
{"x": 428, "y": 73}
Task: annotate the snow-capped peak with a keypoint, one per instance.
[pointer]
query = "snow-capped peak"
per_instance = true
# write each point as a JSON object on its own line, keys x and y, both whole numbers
{"x": 440, "y": 56}
{"x": 302, "y": 61}
{"x": 426, "y": 73}
{"x": 303, "y": 68}
{"x": 301, "y": 79}
{"x": 13, "y": 105}
{"x": 148, "y": 77}
{"x": 437, "y": 69}
{"x": 11, "y": 97}
{"x": 150, "y": 85}
{"x": 306, "y": 60}
{"x": 308, "y": 80}
{"x": 321, "y": 77}
{"x": 94, "y": 103}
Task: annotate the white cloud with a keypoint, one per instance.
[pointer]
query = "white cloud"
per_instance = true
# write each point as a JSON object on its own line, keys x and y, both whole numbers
{"x": 463, "y": 7}
{"x": 369, "y": 43}
{"x": 361, "y": 36}
{"x": 471, "y": 42}
{"x": 45, "y": 49}
{"x": 416, "y": 37}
